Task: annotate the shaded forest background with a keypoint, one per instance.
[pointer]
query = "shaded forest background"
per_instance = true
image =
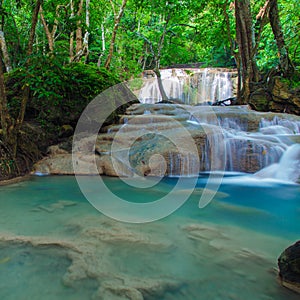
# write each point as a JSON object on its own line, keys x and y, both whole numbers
{"x": 57, "y": 55}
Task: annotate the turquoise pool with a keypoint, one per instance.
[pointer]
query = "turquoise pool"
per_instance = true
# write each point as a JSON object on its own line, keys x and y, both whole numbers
{"x": 55, "y": 245}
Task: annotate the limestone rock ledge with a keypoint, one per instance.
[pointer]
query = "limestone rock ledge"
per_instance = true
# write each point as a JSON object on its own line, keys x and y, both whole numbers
{"x": 176, "y": 140}
{"x": 62, "y": 164}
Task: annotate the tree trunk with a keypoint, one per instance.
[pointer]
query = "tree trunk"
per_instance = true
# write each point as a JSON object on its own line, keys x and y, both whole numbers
{"x": 16, "y": 45}
{"x": 71, "y": 46}
{"x": 103, "y": 45}
{"x": 245, "y": 41}
{"x": 79, "y": 29}
{"x": 285, "y": 63}
{"x": 86, "y": 35}
{"x": 34, "y": 21}
{"x": 157, "y": 60}
{"x": 163, "y": 94}
{"x": 5, "y": 54}
{"x": 262, "y": 19}
{"x": 82, "y": 43}
{"x": 49, "y": 36}
{"x": 232, "y": 47}
{"x": 114, "y": 34}
{"x": 3, "y": 103}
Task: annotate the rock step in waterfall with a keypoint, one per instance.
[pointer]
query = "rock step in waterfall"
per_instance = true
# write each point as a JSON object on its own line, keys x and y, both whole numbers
{"x": 183, "y": 140}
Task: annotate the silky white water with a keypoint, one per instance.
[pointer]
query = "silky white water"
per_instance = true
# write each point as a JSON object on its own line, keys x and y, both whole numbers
{"x": 197, "y": 86}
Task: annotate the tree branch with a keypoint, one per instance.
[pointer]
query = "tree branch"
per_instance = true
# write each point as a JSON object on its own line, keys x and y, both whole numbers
{"x": 262, "y": 19}
{"x": 47, "y": 31}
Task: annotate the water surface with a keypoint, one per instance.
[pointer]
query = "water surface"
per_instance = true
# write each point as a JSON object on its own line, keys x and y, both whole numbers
{"x": 55, "y": 245}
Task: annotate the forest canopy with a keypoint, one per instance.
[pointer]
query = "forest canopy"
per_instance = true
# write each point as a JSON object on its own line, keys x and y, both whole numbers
{"x": 129, "y": 36}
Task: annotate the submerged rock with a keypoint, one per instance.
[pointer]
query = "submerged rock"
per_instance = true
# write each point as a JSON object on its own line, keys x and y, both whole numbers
{"x": 91, "y": 259}
{"x": 113, "y": 292}
{"x": 289, "y": 267}
{"x": 136, "y": 289}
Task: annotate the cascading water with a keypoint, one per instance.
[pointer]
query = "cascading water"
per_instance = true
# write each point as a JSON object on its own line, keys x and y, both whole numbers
{"x": 280, "y": 126}
{"x": 179, "y": 164}
{"x": 233, "y": 138}
{"x": 213, "y": 85}
{"x": 244, "y": 151}
{"x": 197, "y": 86}
{"x": 255, "y": 153}
{"x": 287, "y": 169}
{"x": 173, "y": 83}
{"x": 251, "y": 143}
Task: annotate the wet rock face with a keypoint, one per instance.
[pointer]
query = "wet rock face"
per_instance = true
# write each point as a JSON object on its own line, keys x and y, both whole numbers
{"x": 289, "y": 267}
{"x": 285, "y": 99}
{"x": 276, "y": 97}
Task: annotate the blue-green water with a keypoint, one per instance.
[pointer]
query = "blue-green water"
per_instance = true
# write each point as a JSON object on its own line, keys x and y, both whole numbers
{"x": 55, "y": 245}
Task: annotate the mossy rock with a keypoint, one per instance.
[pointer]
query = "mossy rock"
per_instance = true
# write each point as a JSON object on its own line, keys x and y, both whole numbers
{"x": 259, "y": 100}
{"x": 66, "y": 130}
{"x": 289, "y": 267}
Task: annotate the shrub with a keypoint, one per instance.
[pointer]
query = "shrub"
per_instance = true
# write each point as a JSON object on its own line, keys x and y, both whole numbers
{"x": 58, "y": 93}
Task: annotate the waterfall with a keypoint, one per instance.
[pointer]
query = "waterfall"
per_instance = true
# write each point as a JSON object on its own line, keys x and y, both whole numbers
{"x": 233, "y": 139}
{"x": 182, "y": 164}
{"x": 280, "y": 126}
{"x": 195, "y": 86}
{"x": 246, "y": 151}
{"x": 173, "y": 83}
{"x": 213, "y": 85}
{"x": 287, "y": 169}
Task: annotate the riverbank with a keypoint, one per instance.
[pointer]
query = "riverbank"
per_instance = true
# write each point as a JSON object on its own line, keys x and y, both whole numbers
{"x": 14, "y": 180}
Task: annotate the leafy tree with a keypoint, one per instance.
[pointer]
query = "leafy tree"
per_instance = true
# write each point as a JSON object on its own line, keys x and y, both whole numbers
{"x": 11, "y": 126}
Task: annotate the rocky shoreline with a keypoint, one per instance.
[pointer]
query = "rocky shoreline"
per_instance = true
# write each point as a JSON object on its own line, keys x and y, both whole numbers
{"x": 14, "y": 180}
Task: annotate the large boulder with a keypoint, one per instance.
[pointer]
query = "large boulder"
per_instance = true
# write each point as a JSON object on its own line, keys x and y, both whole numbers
{"x": 289, "y": 267}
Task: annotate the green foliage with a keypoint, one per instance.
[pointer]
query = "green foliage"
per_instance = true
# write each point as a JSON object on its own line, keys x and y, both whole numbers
{"x": 135, "y": 84}
{"x": 58, "y": 93}
{"x": 293, "y": 82}
{"x": 290, "y": 18}
{"x": 267, "y": 56}
{"x": 7, "y": 166}
{"x": 196, "y": 31}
